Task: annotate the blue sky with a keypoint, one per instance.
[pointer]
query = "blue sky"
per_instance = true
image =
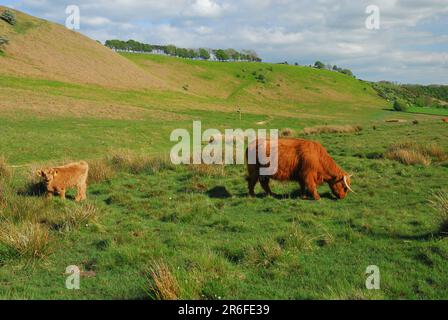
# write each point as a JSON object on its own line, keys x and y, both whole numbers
{"x": 411, "y": 45}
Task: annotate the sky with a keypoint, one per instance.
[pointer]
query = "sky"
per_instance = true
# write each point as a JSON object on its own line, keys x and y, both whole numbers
{"x": 409, "y": 45}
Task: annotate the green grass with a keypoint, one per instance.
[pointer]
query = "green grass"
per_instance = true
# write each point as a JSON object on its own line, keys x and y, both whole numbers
{"x": 432, "y": 111}
{"x": 220, "y": 243}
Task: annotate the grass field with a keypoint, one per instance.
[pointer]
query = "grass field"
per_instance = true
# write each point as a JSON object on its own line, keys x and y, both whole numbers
{"x": 152, "y": 230}
{"x": 218, "y": 243}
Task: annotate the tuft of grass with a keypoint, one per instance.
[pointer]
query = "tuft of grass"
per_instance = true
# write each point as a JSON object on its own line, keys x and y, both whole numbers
{"x": 30, "y": 240}
{"x": 440, "y": 203}
{"x": 264, "y": 255}
{"x": 163, "y": 285}
{"x": 80, "y": 215}
{"x": 411, "y": 153}
{"x": 408, "y": 157}
{"x": 100, "y": 171}
{"x": 332, "y": 129}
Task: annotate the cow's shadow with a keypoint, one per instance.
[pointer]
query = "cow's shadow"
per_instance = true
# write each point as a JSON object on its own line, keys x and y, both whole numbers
{"x": 221, "y": 192}
{"x": 297, "y": 194}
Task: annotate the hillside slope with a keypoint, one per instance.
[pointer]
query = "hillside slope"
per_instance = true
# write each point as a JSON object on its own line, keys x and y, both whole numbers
{"x": 41, "y": 49}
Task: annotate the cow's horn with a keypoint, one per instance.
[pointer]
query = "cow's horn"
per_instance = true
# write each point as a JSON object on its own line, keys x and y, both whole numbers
{"x": 346, "y": 184}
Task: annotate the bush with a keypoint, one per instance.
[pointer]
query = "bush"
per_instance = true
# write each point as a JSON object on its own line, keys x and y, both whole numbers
{"x": 400, "y": 105}
{"x": 9, "y": 17}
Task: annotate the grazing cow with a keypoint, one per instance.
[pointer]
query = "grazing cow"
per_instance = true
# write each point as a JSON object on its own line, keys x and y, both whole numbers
{"x": 445, "y": 119}
{"x": 304, "y": 161}
{"x": 59, "y": 179}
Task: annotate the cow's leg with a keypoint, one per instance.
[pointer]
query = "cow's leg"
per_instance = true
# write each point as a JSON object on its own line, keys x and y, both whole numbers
{"x": 264, "y": 181}
{"x": 81, "y": 193}
{"x": 302, "y": 189}
{"x": 49, "y": 194}
{"x": 251, "y": 182}
{"x": 252, "y": 179}
{"x": 310, "y": 183}
{"x": 61, "y": 193}
{"x": 84, "y": 192}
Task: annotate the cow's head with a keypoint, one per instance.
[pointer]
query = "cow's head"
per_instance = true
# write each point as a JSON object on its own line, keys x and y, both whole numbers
{"x": 340, "y": 186}
{"x": 47, "y": 174}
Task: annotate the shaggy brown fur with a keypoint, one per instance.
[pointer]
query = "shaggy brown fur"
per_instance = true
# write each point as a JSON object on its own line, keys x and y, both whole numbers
{"x": 304, "y": 161}
{"x": 59, "y": 179}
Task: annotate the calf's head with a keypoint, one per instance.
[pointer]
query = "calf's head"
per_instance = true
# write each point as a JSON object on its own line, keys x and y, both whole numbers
{"x": 340, "y": 186}
{"x": 47, "y": 174}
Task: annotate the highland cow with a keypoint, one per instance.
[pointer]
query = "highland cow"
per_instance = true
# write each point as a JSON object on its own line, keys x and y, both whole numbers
{"x": 304, "y": 161}
{"x": 59, "y": 179}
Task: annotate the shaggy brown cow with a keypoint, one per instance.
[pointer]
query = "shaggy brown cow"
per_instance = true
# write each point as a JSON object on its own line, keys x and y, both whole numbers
{"x": 306, "y": 162}
{"x": 59, "y": 179}
{"x": 445, "y": 119}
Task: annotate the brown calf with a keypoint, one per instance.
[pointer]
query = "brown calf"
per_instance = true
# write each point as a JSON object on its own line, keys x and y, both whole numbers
{"x": 59, "y": 179}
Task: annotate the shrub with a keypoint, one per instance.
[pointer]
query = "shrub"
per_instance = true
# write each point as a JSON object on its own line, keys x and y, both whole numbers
{"x": 400, "y": 105}
{"x": 163, "y": 285}
{"x": 332, "y": 129}
{"x": 440, "y": 203}
{"x": 9, "y": 17}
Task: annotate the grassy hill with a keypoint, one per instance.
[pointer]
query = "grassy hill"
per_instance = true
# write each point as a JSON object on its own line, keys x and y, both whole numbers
{"x": 65, "y": 97}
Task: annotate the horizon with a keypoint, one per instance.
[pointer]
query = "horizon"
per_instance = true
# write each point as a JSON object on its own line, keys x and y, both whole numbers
{"x": 409, "y": 45}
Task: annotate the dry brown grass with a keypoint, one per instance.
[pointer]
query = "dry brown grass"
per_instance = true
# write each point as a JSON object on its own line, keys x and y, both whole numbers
{"x": 162, "y": 283}
{"x": 410, "y": 153}
{"x": 31, "y": 240}
{"x": 99, "y": 171}
{"x": 332, "y": 129}
{"x": 5, "y": 171}
{"x": 408, "y": 157}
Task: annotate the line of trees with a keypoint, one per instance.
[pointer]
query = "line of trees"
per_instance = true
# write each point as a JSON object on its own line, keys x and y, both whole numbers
{"x": 171, "y": 50}
{"x": 321, "y": 65}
